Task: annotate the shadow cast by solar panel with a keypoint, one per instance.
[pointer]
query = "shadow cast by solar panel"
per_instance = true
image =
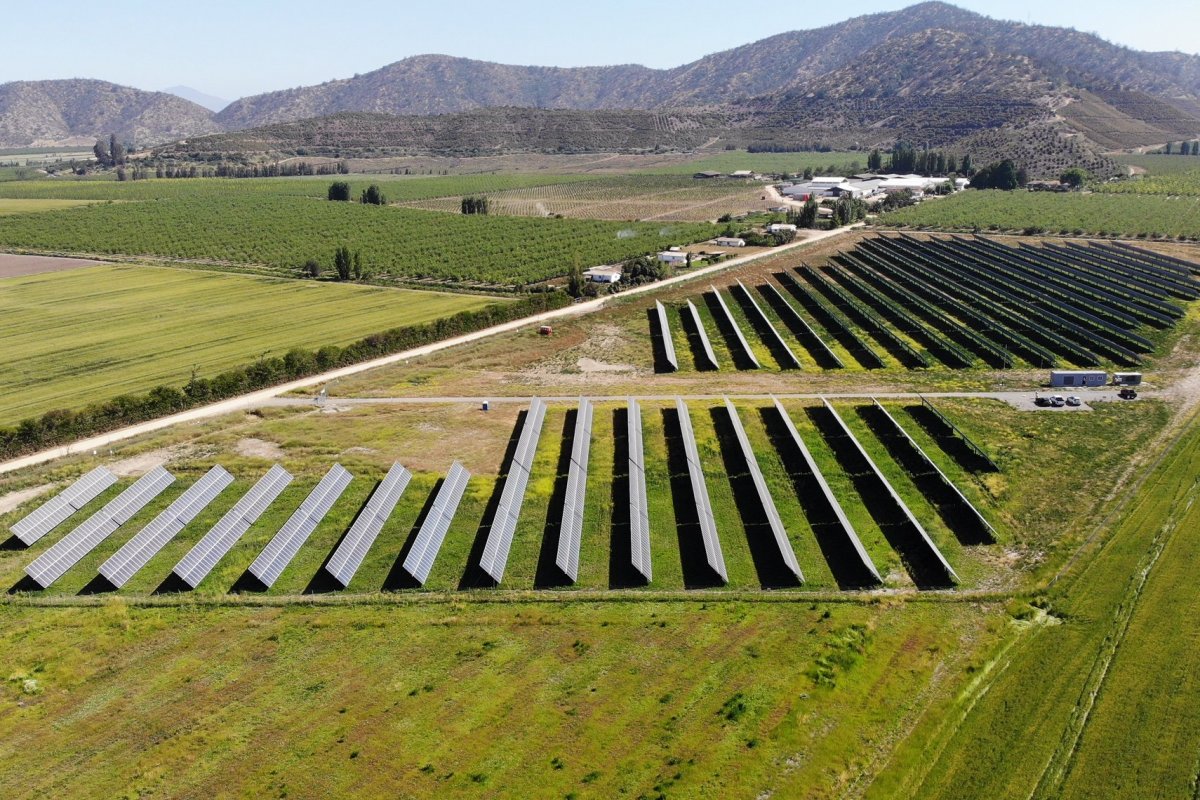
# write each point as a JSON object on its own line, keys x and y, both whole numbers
{"x": 548, "y": 574}
{"x": 248, "y": 583}
{"x": 950, "y": 507}
{"x": 695, "y": 343}
{"x": 697, "y": 574}
{"x": 864, "y": 319}
{"x": 173, "y": 584}
{"x": 831, "y": 324}
{"x": 322, "y": 582}
{"x": 474, "y": 576}
{"x": 741, "y": 359}
{"x": 765, "y": 334}
{"x": 843, "y": 560}
{"x": 921, "y": 565}
{"x": 98, "y": 585}
{"x": 621, "y": 574}
{"x": 950, "y": 443}
{"x": 657, "y": 343}
{"x": 773, "y": 572}
{"x": 13, "y": 543}
{"x": 398, "y": 577}
{"x": 26, "y": 584}
{"x": 806, "y": 339}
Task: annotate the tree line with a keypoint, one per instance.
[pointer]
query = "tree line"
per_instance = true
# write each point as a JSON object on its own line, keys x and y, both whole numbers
{"x": 1182, "y": 148}
{"x": 64, "y": 425}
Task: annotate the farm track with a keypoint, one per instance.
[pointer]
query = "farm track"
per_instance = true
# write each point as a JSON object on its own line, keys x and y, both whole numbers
{"x": 255, "y": 399}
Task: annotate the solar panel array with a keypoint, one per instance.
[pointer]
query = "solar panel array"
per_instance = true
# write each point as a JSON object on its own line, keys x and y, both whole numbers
{"x": 58, "y": 509}
{"x": 67, "y": 551}
{"x": 639, "y": 510}
{"x": 200, "y": 560}
{"x": 803, "y": 323}
{"x": 896, "y": 499}
{"x": 295, "y": 532}
{"x": 570, "y": 532}
{"x": 135, "y": 553}
{"x": 708, "y": 526}
{"x": 766, "y": 322}
{"x": 429, "y": 539}
{"x": 665, "y": 330}
{"x": 737, "y": 331}
{"x": 349, "y": 555}
{"x": 504, "y": 524}
{"x": 830, "y": 497}
{"x": 764, "y": 495}
{"x": 979, "y": 518}
{"x": 703, "y": 334}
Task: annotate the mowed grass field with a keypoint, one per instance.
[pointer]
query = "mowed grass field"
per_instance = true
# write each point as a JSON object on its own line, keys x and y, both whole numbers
{"x": 8, "y": 207}
{"x": 86, "y": 335}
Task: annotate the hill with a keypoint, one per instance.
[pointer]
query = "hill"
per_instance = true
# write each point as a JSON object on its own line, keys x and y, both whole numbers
{"x": 77, "y": 112}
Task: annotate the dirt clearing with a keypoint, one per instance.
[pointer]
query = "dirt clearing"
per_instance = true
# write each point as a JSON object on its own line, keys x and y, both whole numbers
{"x": 14, "y": 266}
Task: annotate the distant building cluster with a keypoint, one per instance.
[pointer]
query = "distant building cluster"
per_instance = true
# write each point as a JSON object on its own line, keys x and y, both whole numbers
{"x": 864, "y": 186}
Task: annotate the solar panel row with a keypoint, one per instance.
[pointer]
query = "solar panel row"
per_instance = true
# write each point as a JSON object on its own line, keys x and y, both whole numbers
{"x": 830, "y": 498}
{"x": 429, "y": 539}
{"x": 67, "y": 551}
{"x": 349, "y": 555}
{"x": 790, "y": 312}
{"x": 764, "y": 495}
{"x": 639, "y": 513}
{"x": 570, "y": 532}
{"x": 504, "y": 524}
{"x": 58, "y": 509}
{"x": 930, "y": 547}
{"x": 287, "y": 541}
{"x": 737, "y": 331}
{"x": 979, "y": 518}
{"x": 665, "y": 330}
{"x": 135, "y": 553}
{"x": 704, "y": 514}
{"x": 220, "y": 539}
{"x": 764, "y": 320}
{"x": 703, "y": 334}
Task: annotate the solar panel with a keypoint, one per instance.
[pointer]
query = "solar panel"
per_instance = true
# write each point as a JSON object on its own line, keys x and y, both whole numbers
{"x": 570, "y": 532}
{"x": 803, "y": 323}
{"x": 362, "y": 534}
{"x": 931, "y": 548}
{"x": 639, "y": 512}
{"x": 745, "y": 345}
{"x": 665, "y": 330}
{"x": 504, "y": 524}
{"x": 830, "y": 498}
{"x": 708, "y": 526}
{"x": 304, "y": 520}
{"x": 764, "y": 495}
{"x": 703, "y": 334}
{"x": 429, "y": 539}
{"x": 58, "y": 509}
{"x": 201, "y": 559}
{"x": 766, "y": 322}
{"x": 67, "y": 551}
{"x": 135, "y": 553}
{"x": 979, "y": 518}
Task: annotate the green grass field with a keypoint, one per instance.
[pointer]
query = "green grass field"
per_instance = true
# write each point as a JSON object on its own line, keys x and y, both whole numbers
{"x": 9, "y": 207}
{"x": 88, "y": 335}
{"x": 1104, "y": 214}
{"x": 733, "y": 160}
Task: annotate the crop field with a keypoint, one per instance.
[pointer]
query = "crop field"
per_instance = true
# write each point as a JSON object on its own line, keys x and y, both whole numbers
{"x": 625, "y": 197}
{"x": 284, "y": 232}
{"x": 91, "y": 334}
{"x": 1172, "y": 176}
{"x": 796, "y": 163}
{"x": 9, "y": 207}
{"x": 1157, "y": 165}
{"x": 1068, "y": 214}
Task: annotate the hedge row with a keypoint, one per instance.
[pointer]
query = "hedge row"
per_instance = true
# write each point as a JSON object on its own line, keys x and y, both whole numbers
{"x": 57, "y": 427}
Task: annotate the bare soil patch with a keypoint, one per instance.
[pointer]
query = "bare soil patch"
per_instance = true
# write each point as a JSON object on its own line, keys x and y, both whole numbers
{"x": 14, "y": 266}
{"x": 259, "y": 448}
{"x": 13, "y": 500}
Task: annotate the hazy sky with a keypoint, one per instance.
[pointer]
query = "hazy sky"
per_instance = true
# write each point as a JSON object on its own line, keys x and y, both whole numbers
{"x": 233, "y": 48}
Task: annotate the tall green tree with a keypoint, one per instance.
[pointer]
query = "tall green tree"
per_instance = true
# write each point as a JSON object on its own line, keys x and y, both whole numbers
{"x": 373, "y": 196}
{"x": 342, "y": 263}
{"x": 339, "y": 190}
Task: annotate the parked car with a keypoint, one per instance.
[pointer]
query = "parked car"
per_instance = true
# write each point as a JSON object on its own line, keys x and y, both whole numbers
{"x": 1074, "y": 401}
{"x": 1127, "y": 394}
{"x": 1058, "y": 401}
{"x": 1038, "y": 400}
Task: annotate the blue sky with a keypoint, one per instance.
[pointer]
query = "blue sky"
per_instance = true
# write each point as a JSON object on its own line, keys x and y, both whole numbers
{"x": 233, "y": 48}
